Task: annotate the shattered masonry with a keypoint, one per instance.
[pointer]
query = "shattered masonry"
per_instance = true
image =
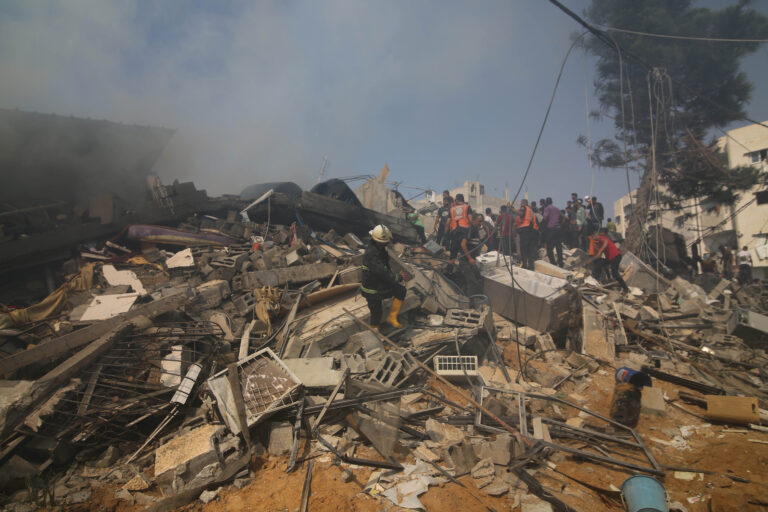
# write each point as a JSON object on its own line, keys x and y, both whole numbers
{"x": 195, "y": 356}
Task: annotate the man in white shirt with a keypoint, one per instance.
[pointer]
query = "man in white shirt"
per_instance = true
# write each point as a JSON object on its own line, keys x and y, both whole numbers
{"x": 744, "y": 259}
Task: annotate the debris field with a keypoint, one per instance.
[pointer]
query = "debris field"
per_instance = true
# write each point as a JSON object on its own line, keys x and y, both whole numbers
{"x": 226, "y": 364}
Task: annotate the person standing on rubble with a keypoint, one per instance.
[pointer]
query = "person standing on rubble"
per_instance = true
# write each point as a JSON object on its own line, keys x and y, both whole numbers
{"x": 442, "y": 223}
{"x": 471, "y": 243}
{"x": 745, "y": 265}
{"x": 528, "y": 229}
{"x": 460, "y": 215}
{"x": 553, "y": 235}
{"x": 415, "y": 219}
{"x": 504, "y": 230}
{"x": 580, "y": 214}
{"x": 607, "y": 255}
{"x": 726, "y": 261}
{"x": 379, "y": 281}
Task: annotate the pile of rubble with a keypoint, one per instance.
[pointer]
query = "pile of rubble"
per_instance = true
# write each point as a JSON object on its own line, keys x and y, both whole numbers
{"x": 154, "y": 378}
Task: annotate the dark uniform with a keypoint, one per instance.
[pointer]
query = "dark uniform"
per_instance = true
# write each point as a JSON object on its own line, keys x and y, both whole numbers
{"x": 473, "y": 281}
{"x": 379, "y": 282}
{"x": 444, "y": 219}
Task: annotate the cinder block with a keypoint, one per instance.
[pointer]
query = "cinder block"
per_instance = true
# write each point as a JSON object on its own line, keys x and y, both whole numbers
{"x": 652, "y": 401}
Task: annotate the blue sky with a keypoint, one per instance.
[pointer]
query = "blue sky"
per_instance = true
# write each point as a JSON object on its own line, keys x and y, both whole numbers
{"x": 442, "y": 91}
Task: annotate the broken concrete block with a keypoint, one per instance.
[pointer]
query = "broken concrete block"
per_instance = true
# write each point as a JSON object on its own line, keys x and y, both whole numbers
{"x": 482, "y": 448}
{"x": 239, "y": 483}
{"x": 649, "y": 314}
{"x": 187, "y": 453}
{"x": 652, "y": 401}
{"x": 280, "y": 438}
{"x": 137, "y": 483}
{"x": 424, "y": 453}
{"x": 292, "y": 258}
{"x": 497, "y": 488}
{"x": 523, "y": 334}
{"x": 209, "y": 496}
{"x": 211, "y": 293}
{"x": 461, "y": 457}
{"x": 483, "y": 482}
{"x": 501, "y": 449}
{"x": 483, "y": 469}
{"x": 443, "y": 433}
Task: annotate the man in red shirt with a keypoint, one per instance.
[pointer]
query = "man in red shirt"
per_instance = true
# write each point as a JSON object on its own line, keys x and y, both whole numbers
{"x": 504, "y": 230}
{"x": 611, "y": 258}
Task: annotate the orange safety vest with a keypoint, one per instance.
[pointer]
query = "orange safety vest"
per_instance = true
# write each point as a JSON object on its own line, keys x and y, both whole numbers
{"x": 459, "y": 216}
{"x": 528, "y": 217}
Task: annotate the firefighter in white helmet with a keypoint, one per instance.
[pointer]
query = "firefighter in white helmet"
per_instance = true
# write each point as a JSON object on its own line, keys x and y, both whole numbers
{"x": 379, "y": 281}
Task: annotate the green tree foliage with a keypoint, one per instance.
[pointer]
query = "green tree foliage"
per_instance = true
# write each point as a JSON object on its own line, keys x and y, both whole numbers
{"x": 675, "y": 92}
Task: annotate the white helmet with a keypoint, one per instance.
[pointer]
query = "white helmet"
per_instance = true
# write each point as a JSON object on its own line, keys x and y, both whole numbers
{"x": 381, "y": 233}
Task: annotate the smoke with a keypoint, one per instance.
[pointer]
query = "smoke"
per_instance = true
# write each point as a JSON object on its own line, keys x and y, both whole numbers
{"x": 255, "y": 92}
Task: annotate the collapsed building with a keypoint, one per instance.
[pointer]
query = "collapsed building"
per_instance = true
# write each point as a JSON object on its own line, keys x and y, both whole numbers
{"x": 222, "y": 352}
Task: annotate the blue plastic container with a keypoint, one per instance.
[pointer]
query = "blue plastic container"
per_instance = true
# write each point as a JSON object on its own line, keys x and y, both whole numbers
{"x": 644, "y": 494}
{"x": 639, "y": 379}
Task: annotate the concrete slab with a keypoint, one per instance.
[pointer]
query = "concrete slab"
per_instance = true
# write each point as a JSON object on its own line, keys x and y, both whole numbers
{"x": 546, "y": 268}
{"x": 182, "y": 259}
{"x": 186, "y": 453}
{"x": 108, "y": 306}
{"x": 123, "y": 277}
{"x": 314, "y": 371}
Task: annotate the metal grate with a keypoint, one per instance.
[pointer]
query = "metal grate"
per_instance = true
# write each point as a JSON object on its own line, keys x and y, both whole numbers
{"x": 456, "y": 366}
{"x": 267, "y": 386}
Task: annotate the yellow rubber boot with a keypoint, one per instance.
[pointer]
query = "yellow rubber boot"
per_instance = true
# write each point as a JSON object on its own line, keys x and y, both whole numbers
{"x": 393, "y": 312}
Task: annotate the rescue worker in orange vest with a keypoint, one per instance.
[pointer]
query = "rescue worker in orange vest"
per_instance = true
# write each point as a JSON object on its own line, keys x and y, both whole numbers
{"x": 461, "y": 213}
{"x": 528, "y": 230}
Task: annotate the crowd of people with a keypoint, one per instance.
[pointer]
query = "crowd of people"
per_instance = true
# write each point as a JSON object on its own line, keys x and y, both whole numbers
{"x": 522, "y": 231}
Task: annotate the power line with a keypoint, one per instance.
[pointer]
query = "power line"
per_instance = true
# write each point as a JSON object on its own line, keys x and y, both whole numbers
{"x": 685, "y": 38}
{"x": 602, "y": 36}
{"x": 546, "y": 116}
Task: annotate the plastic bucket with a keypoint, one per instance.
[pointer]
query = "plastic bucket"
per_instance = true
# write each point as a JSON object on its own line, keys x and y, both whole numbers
{"x": 644, "y": 494}
{"x": 626, "y": 374}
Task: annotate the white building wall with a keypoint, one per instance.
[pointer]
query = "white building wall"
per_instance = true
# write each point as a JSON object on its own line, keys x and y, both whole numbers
{"x": 749, "y": 146}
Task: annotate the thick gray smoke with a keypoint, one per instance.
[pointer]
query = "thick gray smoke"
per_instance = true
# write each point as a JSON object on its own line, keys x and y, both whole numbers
{"x": 255, "y": 92}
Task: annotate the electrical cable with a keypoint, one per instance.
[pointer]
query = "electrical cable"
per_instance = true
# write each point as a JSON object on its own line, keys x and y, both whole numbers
{"x": 605, "y": 38}
{"x": 546, "y": 116}
{"x": 684, "y": 38}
